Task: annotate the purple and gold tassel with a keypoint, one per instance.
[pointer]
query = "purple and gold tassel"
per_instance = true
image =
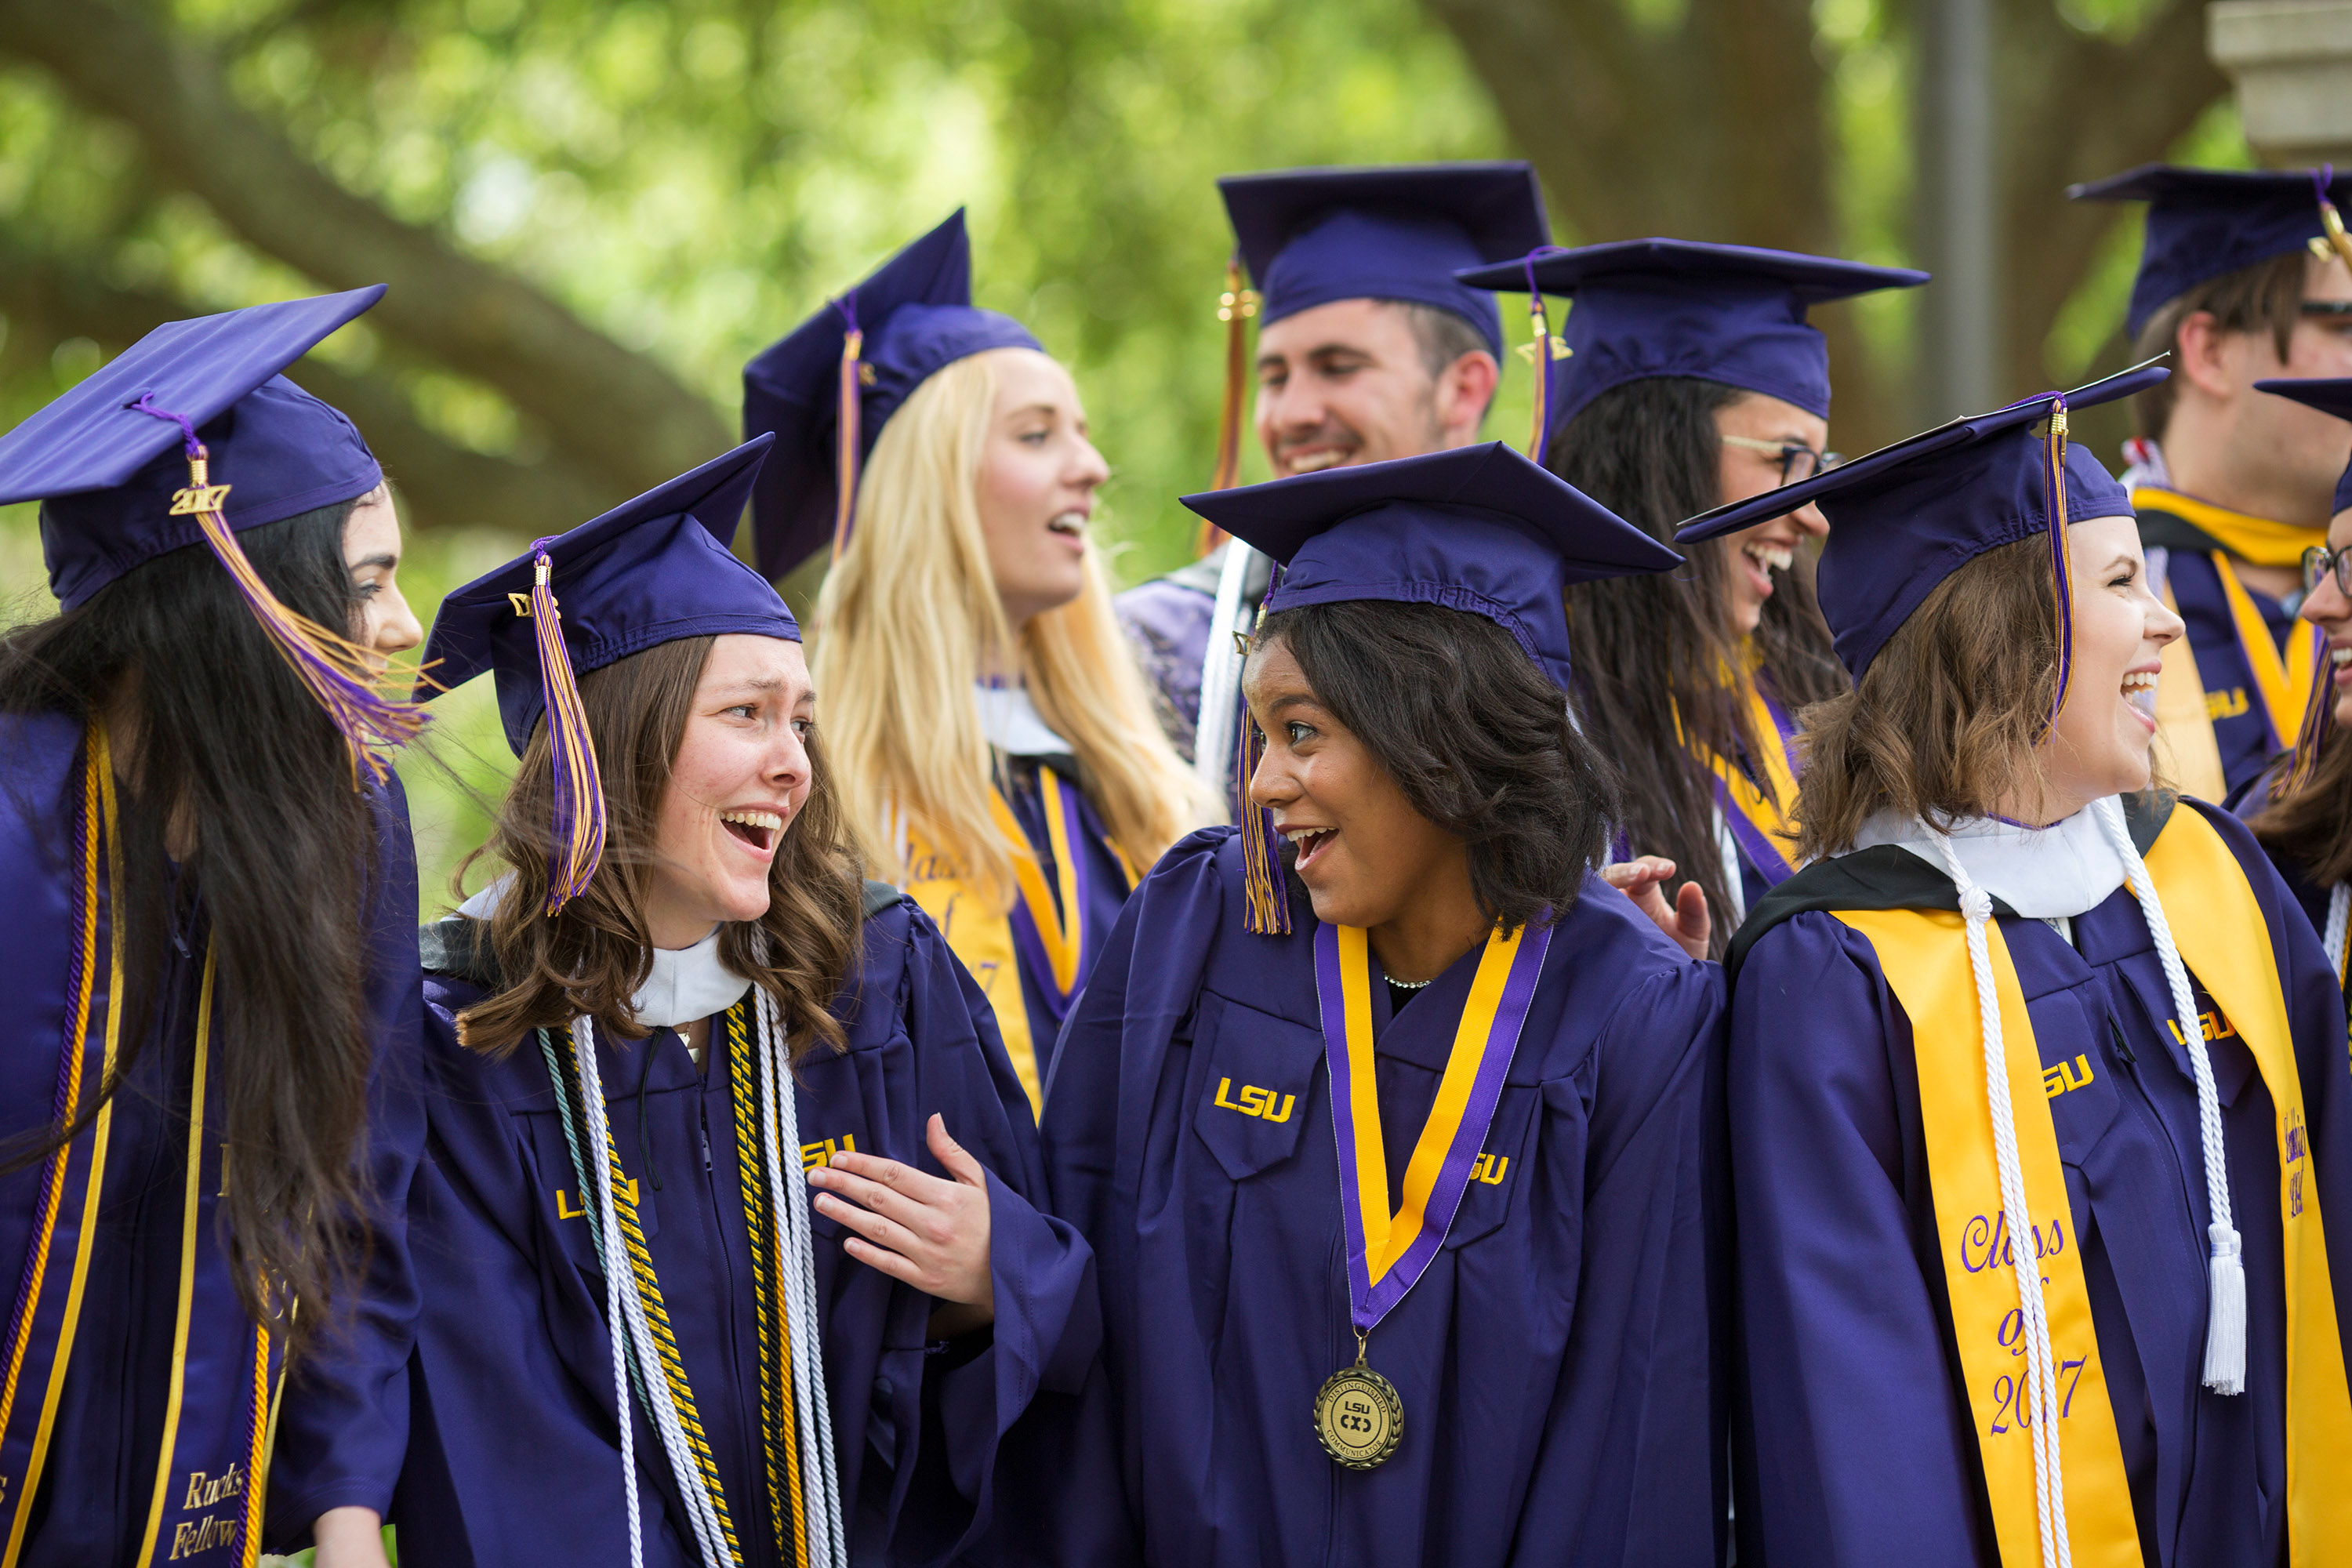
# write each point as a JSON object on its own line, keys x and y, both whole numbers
{"x": 578, "y": 840}
{"x": 852, "y": 344}
{"x": 1264, "y": 889}
{"x": 1236, "y": 306}
{"x": 1539, "y": 353}
{"x": 346, "y": 679}
{"x": 2062, "y": 573}
{"x": 2331, "y": 222}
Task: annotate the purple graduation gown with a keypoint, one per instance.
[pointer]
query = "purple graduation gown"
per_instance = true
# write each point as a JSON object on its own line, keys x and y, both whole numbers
{"x": 342, "y": 1422}
{"x": 1167, "y": 620}
{"x": 1852, "y": 1439}
{"x": 1559, "y": 1362}
{"x": 2243, "y": 737}
{"x": 514, "y": 1459}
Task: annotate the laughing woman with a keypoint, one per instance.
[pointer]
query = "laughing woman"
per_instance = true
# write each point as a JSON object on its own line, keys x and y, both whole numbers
{"x": 1430, "y": 1111}
{"x": 2038, "y": 1084}
{"x": 994, "y": 740}
{"x": 210, "y": 962}
{"x": 671, "y": 1019}
{"x": 1693, "y": 380}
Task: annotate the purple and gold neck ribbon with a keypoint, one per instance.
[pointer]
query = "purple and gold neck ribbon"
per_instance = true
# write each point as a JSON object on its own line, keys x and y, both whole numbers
{"x": 1753, "y": 809}
{"x": 1050, "y": 938}
{"x": 1387, "y": 1253}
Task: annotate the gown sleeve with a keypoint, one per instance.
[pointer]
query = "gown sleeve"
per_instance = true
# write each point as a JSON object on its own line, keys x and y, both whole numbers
{"x": 344, "y": 1422}
{"x": 1852, "y": 1443}
{"x": 1048, "y": 1326}
{"x": 1641, "y": 1403}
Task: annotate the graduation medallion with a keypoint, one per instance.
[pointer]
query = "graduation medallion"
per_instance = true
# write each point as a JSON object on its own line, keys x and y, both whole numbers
{"x": 1357, "y": 1416}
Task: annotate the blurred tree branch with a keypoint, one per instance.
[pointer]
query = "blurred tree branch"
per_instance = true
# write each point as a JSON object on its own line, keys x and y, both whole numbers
{"x": 1716, "y": 125}
{"x": 613, "y": 413}
{"x": 49, "y": 299}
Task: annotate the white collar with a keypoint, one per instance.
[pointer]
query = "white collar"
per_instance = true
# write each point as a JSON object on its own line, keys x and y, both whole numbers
{"x": 686, "y": 982}
{"x": 2043, "y": 873}
{"x": 1013, "y": 724}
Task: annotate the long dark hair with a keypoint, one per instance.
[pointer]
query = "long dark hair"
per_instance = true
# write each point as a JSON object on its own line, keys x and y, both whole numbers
{"x": 225, "y": 757}
{"x": 1651, "y": 649}
{"x": 592, "y": 957}
{"x": 2313, "y": 826}
{"x": 1455, "y": 712}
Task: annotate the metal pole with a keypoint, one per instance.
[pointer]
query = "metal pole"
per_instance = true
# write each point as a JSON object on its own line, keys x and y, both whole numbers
{"x": 1957, "y": 200}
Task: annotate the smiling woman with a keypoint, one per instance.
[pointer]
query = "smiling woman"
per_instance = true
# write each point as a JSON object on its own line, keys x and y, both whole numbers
{"x": 2019, "y": 986}
{"x": 682, "y": 960}
{"x": 998, "y": 752}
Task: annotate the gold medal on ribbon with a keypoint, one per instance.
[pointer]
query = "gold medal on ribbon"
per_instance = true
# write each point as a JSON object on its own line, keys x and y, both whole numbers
{"x": 1359, "y": 1418}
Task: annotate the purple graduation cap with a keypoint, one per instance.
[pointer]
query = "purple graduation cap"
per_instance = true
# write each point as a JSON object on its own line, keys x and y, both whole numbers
{"x": 1479, "y": 529}
{"x": 2330, "y": 395}
{"x": 827, "y": 389}
{"x": 1907, "y": 516}
{"x": 1729, "y": 314}
{"x": 192, "y": 435}
{"x": 1313, "y": 235}
{"x": 2202, "y": 222}
{"x": 654, "y": 570}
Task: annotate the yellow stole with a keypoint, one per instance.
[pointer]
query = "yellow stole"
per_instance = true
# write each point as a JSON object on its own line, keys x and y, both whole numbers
{"x": 1924, "y": 958}
{"x": 2285, "y": 684}
{"x": 980, "y": 930}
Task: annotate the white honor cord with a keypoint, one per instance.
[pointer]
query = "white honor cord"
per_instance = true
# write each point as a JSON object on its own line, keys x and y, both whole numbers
{"x": 2225, "y": 1324}
{"x": 2049, "y": 1481}
{"x": 2339, "y": 915}
{"x": 828, "y": 1540}
{"x": 1220, "y": 675}
{"x": 632, "y": 1323}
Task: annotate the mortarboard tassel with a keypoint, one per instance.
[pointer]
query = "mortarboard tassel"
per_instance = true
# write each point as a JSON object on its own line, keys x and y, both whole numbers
{"x": 2330, "y": 220}
{"x": 1539, "y": 353}
{"x": 577, "y": 842}
{"x": 1265, "y": 893}
{"x": 852, "y": 344}
{"x": 2061, "y": 574}
{"x": 1236, "y": 306}
{"x": 345, "y": 679}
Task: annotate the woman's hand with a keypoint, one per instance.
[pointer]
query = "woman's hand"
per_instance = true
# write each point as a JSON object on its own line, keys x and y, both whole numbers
{"x": 931, "y": 1233}
{"x": 350, "y": 1538}
{"x": 1643, "y": 880}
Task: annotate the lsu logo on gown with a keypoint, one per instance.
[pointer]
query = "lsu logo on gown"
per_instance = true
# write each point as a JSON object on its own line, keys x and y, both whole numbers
{"x": 1255, "y": 1101}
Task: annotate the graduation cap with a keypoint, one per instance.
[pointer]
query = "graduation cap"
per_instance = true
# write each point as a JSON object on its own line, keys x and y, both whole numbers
{"x": 654, "y": 570}
{"x": 1479, "y": 529}
{"x": 827, "y": 389}
{"x": 192, "y": 433}
{"x": 1729, "y": 314}
{"x": 2202, "y": 222}
{"x": 2330, "y": 395}
{"x": 1907, "y": 516}
{"x": 1313, "y": 235}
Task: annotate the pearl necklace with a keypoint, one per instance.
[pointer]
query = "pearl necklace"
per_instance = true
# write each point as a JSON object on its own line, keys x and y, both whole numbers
{"x": 1411, "y": 985}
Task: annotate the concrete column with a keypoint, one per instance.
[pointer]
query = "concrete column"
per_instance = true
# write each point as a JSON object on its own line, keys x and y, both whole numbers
{"x": 2292, "y": 63}
{"x": 1959, "y": 209}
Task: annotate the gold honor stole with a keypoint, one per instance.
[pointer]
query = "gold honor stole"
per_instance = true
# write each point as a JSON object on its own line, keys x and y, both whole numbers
{"x": 1387, "y": 1253}
{"x": 1044, "y": 937}
{"x": 1755, "y": 818}
{"x": 1924, "y": 956}
{"x": 2284, "y": 684}
{"x": 208, "y": 1496}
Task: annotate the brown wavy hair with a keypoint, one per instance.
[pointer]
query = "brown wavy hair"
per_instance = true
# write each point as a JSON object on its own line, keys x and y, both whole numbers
{"x": 1947, "y": 719}
{"x": 2310, "y": 826}
{"x": 591, "y": 958}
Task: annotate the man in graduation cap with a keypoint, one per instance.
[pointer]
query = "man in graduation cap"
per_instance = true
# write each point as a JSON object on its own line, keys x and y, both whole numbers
{"x": 2237, "y": 281}
{"x": 2038, "y": 1089}
{"x": 1397, "y": 1152}
{"x": 1369, "y": 349}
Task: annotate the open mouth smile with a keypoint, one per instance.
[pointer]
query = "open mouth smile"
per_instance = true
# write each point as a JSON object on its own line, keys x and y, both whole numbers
{"x": 758, "y": 830}
{"x": 2140, "y": 690}
{"x": 1311, "y": 842}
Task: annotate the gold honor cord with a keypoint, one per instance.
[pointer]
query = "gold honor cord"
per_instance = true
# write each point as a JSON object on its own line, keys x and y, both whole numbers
{"x": 779, "y": 1428}
{"x": 97, "y": 806}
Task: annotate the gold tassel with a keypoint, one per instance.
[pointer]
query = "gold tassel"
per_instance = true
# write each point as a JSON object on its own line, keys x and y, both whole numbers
{"x": 1236, "y": 306}
{"x": 853, "y": 343}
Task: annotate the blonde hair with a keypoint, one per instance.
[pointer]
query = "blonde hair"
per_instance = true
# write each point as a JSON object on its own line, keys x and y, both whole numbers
{"x": 899, "y": 628}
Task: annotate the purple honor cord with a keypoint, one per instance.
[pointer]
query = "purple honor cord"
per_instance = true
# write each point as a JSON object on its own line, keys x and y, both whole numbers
{"x": 1340, "y": 971}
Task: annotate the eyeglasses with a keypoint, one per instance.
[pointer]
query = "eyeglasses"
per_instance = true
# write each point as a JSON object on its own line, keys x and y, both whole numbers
{"x": 2318, "y": 564}
{"x": 1798, "y": 462}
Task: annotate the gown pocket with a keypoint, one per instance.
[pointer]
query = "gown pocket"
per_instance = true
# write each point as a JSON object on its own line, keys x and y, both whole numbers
{"x": 1499, "y": 1169}
{"x": 1255, "y": 1093}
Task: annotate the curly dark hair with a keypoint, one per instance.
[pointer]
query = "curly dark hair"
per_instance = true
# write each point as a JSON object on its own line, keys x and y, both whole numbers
{"x": 1473, "y": 732}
